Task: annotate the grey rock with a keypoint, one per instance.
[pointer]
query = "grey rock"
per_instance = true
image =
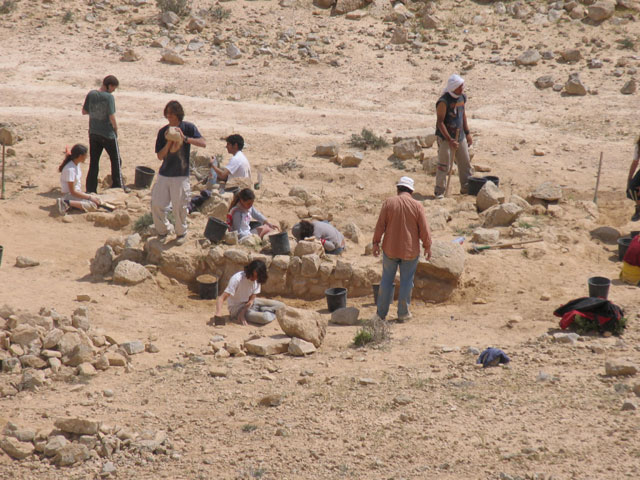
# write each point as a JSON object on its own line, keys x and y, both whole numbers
{"x": 24, "y": 335}
{"x": 160, "y": 42}
{"x": 547, "y": 191}
{"x": 133, "y": 347}
{"x": 545, "y": 81}
{"x": 601, "y": 10}
{"x": 488, "y": 196}
{"x": 329, "y": 149}
{"x": 501, "y": 215}
{"x": 11, "y": 365}
{"x": 571, "y": 55}
{"x": 485, "y": 235}
{"x": 102, "y": 262}
{"x": 629, "y": 405}
{"x": 130, "y": 273}
{"x": 345, "y": 316}
{"x": 32, "y": 380}
{"x": 81, "y": 353}
{"x": 170, "y": 19}
{"x": 71, "y": 454}
{"x": 616, "y": 368}
{"x": 196, "y": 24}
{"x": 561, "y": 337}
{"x": 574, "y": 85}
{"x": 300, "y": 348}
{"x": 530, "y": 57}
{"x": 80, "y": 426}
{"x": 605, "y": 234}
{"x": 265, "y": 346}
{"x": 406, "y": 149}
{"x": 352, "y": 232}
{"x": 233, "y": 52}
{"x": 26, "y": 262}
{"x": 15, "y": 448}
{"x": 629, "y": 88}
{"x": 305, "y": 324}
{"x": 54, "y": 445}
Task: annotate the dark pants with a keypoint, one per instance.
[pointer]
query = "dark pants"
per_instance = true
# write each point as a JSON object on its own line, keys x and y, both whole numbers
{"x": 633, "y": 187}
{"x": 97, "y": 143}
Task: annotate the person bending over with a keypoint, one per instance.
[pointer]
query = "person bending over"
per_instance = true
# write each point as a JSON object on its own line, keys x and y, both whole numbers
{"x": 241, "y": 293}
{"x": 242, "y": 211}
{"x": 331, "y": 238}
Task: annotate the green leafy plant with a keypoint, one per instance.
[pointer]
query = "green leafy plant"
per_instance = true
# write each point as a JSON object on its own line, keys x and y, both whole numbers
{"x": 626, "y": 44}
{"x": 584, "y": 325}
{"x": 249, "y": 427}
{"x": 367, "y": 139}
{"x": 362, "y": 338}
{"x": 8, "y": 6}
{"x": 373, "y": 331}
{"x": 67, "y": 17}
{"x": 182, "y": 8}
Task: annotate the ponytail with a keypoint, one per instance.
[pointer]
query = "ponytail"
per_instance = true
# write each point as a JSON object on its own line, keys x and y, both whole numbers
{"x": 77, "y": 150}
{"x": 244, "y": 194}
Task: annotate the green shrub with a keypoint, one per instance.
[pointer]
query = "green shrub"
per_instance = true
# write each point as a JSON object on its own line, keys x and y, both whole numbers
{"x": 367, "y": 139}
{"x": 68, "y": 16}
{"x": 249, "y": 427}
{"x": 362, "y": 338}
{"x": 182, "y": 8}
{"x": 373, "y": 331}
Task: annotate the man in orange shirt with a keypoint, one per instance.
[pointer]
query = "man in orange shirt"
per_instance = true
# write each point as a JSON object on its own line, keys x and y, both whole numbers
{"x": 403, "y": 223}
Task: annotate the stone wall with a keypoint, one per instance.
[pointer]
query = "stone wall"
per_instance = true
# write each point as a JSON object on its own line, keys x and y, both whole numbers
{"x": 306, "y": 274}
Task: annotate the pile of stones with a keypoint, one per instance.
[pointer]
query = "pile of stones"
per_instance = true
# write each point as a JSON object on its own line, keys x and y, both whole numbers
{"x": 74, "y": 440}
{"x": 38, "y": 348}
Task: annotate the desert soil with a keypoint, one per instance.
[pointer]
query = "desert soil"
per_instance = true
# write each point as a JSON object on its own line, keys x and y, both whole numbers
{"x": 417, "y": 406}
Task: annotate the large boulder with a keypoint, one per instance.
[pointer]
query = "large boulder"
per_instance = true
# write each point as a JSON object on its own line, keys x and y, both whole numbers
{"x": 406, "y": 149}
{"x": 180, "y": 265}
{"x": 308, "y": 247}
{"x": 488, "y": 196}
{"x": 501, "y": 215}
{"x": 547, "y": 191}
{"x": 130, "y": 273}
{"x": 305, "y": 324}
{"x": 328, "y": 149}
{"x": 352, "y": 159}
{"x": 437, "y": 278}
{"x": 267, "y": 345}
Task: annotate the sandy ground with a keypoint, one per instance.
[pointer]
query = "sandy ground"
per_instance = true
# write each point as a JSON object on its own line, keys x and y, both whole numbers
{"x": 429, "y": 413}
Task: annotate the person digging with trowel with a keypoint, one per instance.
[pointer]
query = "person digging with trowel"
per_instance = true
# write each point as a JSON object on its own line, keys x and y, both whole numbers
{"x": 71, "y": 183}
{"x": 453, "y": 135}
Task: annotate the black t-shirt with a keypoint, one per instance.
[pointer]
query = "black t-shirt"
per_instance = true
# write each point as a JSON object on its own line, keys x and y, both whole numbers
{"x": 176, "y": 164}
{"x": 453, "y": 119}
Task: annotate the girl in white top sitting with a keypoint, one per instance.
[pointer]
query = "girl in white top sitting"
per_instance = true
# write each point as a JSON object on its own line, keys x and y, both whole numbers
{"x": 241, "y": 294}
{"x": 242, "y": 211}
{"x": 71, "y": 183}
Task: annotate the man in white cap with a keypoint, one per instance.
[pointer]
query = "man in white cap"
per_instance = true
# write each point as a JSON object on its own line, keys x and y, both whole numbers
{"x": 453, "y": 135}
{"x": 403, "y": 224}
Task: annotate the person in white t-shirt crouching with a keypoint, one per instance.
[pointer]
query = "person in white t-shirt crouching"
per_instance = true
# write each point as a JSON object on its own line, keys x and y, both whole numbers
{"x": 71, "y": 183}
{"x": 241, "y": 294}
{"x": 238, "y": 166}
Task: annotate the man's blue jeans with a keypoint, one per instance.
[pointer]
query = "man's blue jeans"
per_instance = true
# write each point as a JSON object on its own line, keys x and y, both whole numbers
{"x": 407, "y": 271}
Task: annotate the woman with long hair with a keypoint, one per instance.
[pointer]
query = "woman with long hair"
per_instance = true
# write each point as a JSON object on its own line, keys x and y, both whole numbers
{"x": 241, "y": 212}
{"x": 71, "y": 183}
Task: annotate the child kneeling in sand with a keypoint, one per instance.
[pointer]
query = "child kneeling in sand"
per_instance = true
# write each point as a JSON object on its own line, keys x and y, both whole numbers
{"x": 241, "y": 294}
{"x": 71, "y": 183}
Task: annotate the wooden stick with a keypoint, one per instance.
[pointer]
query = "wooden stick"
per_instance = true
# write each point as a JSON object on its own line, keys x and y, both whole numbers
{"x": 595, "y": 195}
{"x": 451, "y": 160}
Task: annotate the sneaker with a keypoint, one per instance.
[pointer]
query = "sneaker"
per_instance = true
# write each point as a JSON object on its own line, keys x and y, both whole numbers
{"x": 180, "y": 239}
{"x": 636, "y": 216}
{"x": 404, "y": 318}
{"x": 62, "y": 207}
{"x": 439, "y": 196}
{"x": 376, "y": 318}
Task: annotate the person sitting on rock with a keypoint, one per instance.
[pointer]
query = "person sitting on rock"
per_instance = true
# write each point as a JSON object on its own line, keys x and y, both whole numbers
{"x": 241, "y": 212}
{"x": 331, "y": 238}
{"x": 633, "y": 182}
{"x": 71, "y": 183}
{"x": 238, "y": 166}
{"x": 630, "y": 272}
{"x": 241, "y": 293}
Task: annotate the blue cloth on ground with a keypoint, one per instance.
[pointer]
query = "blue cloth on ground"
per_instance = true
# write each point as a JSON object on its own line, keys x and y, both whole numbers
{"x": 492, "y": 357}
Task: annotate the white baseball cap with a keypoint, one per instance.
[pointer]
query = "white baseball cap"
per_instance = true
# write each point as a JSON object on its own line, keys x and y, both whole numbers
{"x": 406, "y": 182}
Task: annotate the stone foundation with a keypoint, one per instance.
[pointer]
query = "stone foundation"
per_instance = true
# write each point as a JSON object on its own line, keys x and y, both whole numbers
{"x": 305, "y": 275}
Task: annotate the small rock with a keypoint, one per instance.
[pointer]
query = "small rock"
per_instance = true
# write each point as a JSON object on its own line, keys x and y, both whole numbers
{"x": 530, "y": 57}
{"x": 352, "y": 159}
{"x": 130, "y": 55}
{"x": 71, "y": 454}
{"x": 15, "y": 448}
{"x": 171, "y": 57}
{"x": 80, "y": 426}
{"x": 566, "y": 337}
{"x": 26, "y": 262}
{"x": 629, "y": 405}
{"x": 629, "y": 88}
{"x": 233, "y": 52}
{"x": 272, "y": 400}
{"x": 547, "y": 191}
{"x": 616, "y": 368}
{"x": 329, "y": 149}
{"x": 366, "y": 381}
{"x": 574, "y": 85}
{"x": 345, "y": 316}
{"x": 300, "y": 348}
{"x": 134, "y": 347}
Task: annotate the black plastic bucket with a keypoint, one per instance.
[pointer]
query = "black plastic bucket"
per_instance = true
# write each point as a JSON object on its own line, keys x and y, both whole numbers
{"x": 495, "y": 180}
{"x": 208, "y": 287}
{"x": 144, "y": 177}
{"x": 623, "y": 245}
{"x": 280, "y": 243}
{"x": 475, "y": 184}
{"x": 599, "y": 287}
{"x": 634, "y": 233}
{"x": 336, "y": 298}
{"x": 376, "y": 288}
{"x": 215, "y": 230}
{"x": 1, "y": 251}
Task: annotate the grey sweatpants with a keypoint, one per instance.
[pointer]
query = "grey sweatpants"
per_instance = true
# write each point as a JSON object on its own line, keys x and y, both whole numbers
{"x": 174, "y": 192}
{"x": 262, "y": 311}
{"x": 444, "y": 158}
